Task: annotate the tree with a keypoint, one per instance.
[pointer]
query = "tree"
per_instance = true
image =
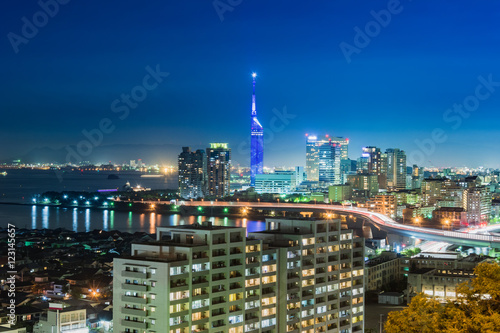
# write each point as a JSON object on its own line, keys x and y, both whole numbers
{"x": 476, "y": 310}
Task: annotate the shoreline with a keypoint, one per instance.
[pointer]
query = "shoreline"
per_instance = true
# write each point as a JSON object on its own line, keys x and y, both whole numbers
{"x": 160, "y": 208}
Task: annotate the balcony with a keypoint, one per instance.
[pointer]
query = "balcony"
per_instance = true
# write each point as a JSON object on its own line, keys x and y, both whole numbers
{"x": 134, "y": 299}
{"x": 178, "y": 285}
{"x": 134, "y": 324}
{"x": 197, "y": 281}
{"x": 218, "y": 253}
{"x": 218, "y": 289}
{"x": 307, "y": 264}
{"x": 134, "y": 287}
{"x": 235, "y": 251}
{"x": 218, "y": 300}
{"x": 218, "y": 264}
{"x": 131, "y": 274}
{"x": 234, "y": 262}
{"x": 200, "y": 255}
{"x": 134, "y": 312}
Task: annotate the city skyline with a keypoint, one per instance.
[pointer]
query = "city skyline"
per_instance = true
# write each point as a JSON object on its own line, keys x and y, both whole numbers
{"x": 389, "y": 93}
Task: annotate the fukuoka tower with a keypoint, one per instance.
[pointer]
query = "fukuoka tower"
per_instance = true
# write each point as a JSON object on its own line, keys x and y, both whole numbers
{"x": 257, "y": 142}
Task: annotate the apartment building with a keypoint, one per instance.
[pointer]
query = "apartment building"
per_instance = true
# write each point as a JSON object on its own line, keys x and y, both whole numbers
{"x": 295, "y": 276}
{"x": 384, "y": 204}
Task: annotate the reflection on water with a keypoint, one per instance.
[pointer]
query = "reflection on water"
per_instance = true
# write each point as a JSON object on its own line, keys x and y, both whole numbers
{"x": 75, "y": 219}
{"x": 54, "y": 217}
{"x": 152, "y": 223}
{"x": 45, "y": 217}
{"x": 87, "y": 219}
{"x": 112, "y": 223}
{"x": 33, "y": 217}
{"x": 105, "y": 220}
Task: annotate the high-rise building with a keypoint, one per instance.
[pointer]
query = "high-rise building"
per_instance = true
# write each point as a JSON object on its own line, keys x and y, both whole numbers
{"x": 344, "y": 145}
{"x": 362, "y": 164}
{"x": 218, "y": 170}
{"x": 396, "y": 169}
{"x": 477, "y": 203}
{"x": 373, "y": 156}
{"x": 382, "y": 179}
{"x": 304, "y": 275}
{"x": 417, "y": 176}
{"x": 257, "y": 142}
{"x": 329, "y": 163}
{"x": 323, "y": 156}
{"x": 312, "y": 158}
{"x": 192, "y": 173}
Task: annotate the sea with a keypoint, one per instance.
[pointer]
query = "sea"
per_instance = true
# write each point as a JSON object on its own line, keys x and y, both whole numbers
{"x": 19, "y": 186}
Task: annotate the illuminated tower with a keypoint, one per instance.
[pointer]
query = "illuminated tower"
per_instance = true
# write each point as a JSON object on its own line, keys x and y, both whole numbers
{"x": 257, "y": 142}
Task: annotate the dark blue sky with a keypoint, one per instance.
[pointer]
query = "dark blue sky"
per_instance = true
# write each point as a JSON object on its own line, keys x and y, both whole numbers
{"x": 395, "y": 90}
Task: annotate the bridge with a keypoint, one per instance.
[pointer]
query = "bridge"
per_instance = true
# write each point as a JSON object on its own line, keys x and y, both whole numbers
{"x": 380, "y": 220}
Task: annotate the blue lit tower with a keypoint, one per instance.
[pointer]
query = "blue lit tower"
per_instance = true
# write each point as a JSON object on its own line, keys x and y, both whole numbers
{"x": 257, "y": 142}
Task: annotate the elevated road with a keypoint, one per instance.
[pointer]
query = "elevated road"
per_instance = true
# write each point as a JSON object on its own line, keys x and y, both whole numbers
{"x": 379, "y": 220}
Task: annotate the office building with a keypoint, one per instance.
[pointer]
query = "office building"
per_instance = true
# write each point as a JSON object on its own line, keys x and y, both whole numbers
{"x": 374, "y": 164}
{"x": 324, "y": 158}
{"x": 280, "y": 182}
{"x": 256, "y": 141}
{"x": 329, "y": 164}
{"x": 383, "y": 171}
{"x": 218, "y": 170}
{"x": 295, "y": 276}
{"x": 396, "y": 169}
{"x": 362, "y": 164}
{"x": 192, "y": 173}
{"x": 417, "y": 176}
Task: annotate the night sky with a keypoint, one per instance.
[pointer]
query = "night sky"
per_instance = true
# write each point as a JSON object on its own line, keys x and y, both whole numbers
{"x": 396, "y": 88}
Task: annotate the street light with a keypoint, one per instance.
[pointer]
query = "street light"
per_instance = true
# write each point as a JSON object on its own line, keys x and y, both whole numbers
{"x": 446, "y": 222}
{"x": 417, "y": 220}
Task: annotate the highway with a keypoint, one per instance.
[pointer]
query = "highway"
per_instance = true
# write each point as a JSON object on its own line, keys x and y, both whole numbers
{"x": 384, "y": 222}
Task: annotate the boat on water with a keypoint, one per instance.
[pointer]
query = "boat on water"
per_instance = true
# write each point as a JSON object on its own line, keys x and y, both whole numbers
{"x": 3, "y": 173}
{"x": 151, "y": 176}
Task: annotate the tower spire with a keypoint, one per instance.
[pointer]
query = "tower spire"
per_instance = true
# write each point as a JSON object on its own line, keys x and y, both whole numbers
{"x": 257, "y": 141}
{"x": 254, "y": 110}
